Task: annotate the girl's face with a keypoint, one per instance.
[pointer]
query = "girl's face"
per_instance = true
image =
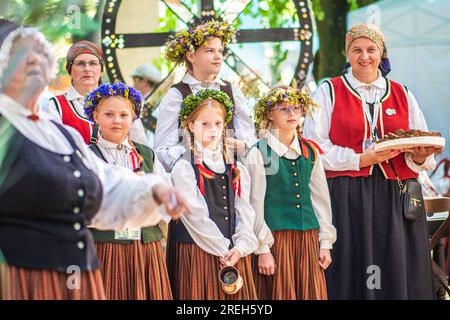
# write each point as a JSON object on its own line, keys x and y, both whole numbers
{"x": 28, "y": 70}
{"x": 114, "y": 117}
{"x": 207, "y": 59}
{"x": 364, "y": 56}
{"x": 208, "y": 126}
{"x": 285, "y": 116}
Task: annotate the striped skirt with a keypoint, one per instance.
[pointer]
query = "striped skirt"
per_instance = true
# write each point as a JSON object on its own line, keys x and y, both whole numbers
{"x": 194, "y": 274}
{"x": 298, "y": 275}
{"x": 134, "y": 271}
{"x": 30, "y": 284}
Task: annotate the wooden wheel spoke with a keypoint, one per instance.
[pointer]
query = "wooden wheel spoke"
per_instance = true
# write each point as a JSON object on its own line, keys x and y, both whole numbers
{"x": 232, "y": 10}
{"x": 246, "y": 73}
{"x": 136, "y": 40}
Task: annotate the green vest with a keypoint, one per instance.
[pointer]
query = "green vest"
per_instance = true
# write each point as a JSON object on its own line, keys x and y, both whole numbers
{"x": 148, "y": 234}
{"x": 2, "y": 258}
{"x": 287, "y": 203}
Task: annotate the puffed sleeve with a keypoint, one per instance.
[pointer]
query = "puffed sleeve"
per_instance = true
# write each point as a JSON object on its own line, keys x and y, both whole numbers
{"x": 159, "y": 170}
{"x": 201, "y": 228}
{"x": 244, "y": 238}
{"x": 320, "y": 198}
{"x": 127, "y": 200}
{"x": 243, "y": 124}
{"x": 255, "y": 166}
{"x": 417, "y": 121}
{"x": 166, "y": 135}
{"x": 335, "y": 157}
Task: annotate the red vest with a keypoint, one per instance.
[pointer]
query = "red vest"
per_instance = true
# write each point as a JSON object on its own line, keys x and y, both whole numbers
{"x": 71, "y": 117}
{"x": 349, "y": 126}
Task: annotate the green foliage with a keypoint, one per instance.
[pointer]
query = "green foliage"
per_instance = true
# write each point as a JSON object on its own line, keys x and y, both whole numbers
{"x": 331, "y": 18}
{"x": 52, "y": 17}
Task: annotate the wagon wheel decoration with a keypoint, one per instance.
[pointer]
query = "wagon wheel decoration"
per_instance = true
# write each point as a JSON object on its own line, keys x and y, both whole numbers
{"x": 128, "y": 26}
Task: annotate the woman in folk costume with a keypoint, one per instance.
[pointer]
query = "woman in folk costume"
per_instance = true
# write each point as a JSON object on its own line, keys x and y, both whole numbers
{"x": 219, "y": 230}
{"x": 290, "y": 196}
{"x": 379, "y": 253}
{"x": 84, "y": 64}
{"x": 201, "y": 49}
{"x": 52, "y": 186}
{"x": 132, "y": 260}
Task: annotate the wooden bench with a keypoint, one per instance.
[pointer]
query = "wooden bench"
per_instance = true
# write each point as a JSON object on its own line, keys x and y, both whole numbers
{"x": 439, "y": 230}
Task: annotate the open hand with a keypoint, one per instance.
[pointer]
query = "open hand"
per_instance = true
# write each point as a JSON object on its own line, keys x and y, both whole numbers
{"x": 420, "y": 154}
{"x": 370, "y": 156}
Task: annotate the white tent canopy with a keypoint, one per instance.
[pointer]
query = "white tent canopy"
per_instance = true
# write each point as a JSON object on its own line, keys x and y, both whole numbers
{"x": 418, "y": 41}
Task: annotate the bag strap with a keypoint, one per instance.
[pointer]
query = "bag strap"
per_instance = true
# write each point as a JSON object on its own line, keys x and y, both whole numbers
{"x": 401, "y": 185}
{"x": 94, "y": 135}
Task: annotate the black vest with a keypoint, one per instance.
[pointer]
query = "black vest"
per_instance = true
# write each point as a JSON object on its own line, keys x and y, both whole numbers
{"x": 185, "y": 90}
{"x": 219, "y": 197}
{"x": 46, "y": 201}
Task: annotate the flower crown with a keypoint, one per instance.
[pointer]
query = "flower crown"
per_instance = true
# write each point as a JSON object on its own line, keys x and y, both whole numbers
{"x": 196, "y": 36}
{"x": 113, "y": 90}
{"x": 278, "y": 95}
{"x": 192, "y": 101}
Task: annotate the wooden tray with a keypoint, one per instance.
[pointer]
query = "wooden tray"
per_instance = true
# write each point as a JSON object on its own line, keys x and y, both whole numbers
{"x": 424, "y": 141}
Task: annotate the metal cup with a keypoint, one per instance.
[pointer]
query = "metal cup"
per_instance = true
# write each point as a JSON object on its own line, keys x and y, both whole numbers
{"x": 230, "y": 279}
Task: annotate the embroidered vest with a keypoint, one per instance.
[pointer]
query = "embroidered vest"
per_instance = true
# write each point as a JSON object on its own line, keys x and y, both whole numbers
{"x": 287, "y": 203}
{"x": 71, "y": 117}
{"x": 349, "y": 126}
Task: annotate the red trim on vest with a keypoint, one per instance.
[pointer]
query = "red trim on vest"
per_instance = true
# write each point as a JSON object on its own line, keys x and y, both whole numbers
{"x": 69, "y": 117}
{"x": 136, "y": 163}
{"x": 349, "y": 127}
{"x": 237, "y": 184}
{"x": 313, "y": 143}
{"x": 201, "y": 178}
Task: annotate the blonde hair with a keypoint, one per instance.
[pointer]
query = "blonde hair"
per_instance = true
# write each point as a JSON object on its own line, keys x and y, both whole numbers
{"x": 265, "y": 123}
{"x": 127, "y": 101}
{"x": 227, "y": 154}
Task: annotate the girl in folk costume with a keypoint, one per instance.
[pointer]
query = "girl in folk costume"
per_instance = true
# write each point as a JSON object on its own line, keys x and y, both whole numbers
{"x": 219, "y": 230}
{"x": 52, "y": 186}
{"x": 84, "y": 64}
{"x": 290, "y": 196}
{"x": 201, "y": 49}
{"x": 374, "y": 234}
{"x": 133, "y": 262}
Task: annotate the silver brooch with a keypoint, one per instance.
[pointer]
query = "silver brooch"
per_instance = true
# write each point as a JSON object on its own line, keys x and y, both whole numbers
{"x": 390, "y": 112}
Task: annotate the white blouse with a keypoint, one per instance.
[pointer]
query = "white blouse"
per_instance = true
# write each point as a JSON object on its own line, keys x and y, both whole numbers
{"x": 166, "y": 134}
{"x": 319, "y": 193}
{"x": 339, "y": 158}
{"x": 127, "y": 197}
{"x": 137, "y": 131}
{"x": 121, "y": 156}
{"x": 201, "y": 228}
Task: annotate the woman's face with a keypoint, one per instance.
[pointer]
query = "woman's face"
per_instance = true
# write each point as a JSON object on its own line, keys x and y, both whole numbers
{"x": 208, "y": 127}
{"x": 285, "y": 116}
{"x": 86, "y": 71}
{"x": 114, "y": 118}
{"x": 364, "y": 56}
{"x": 28, "y": 70}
